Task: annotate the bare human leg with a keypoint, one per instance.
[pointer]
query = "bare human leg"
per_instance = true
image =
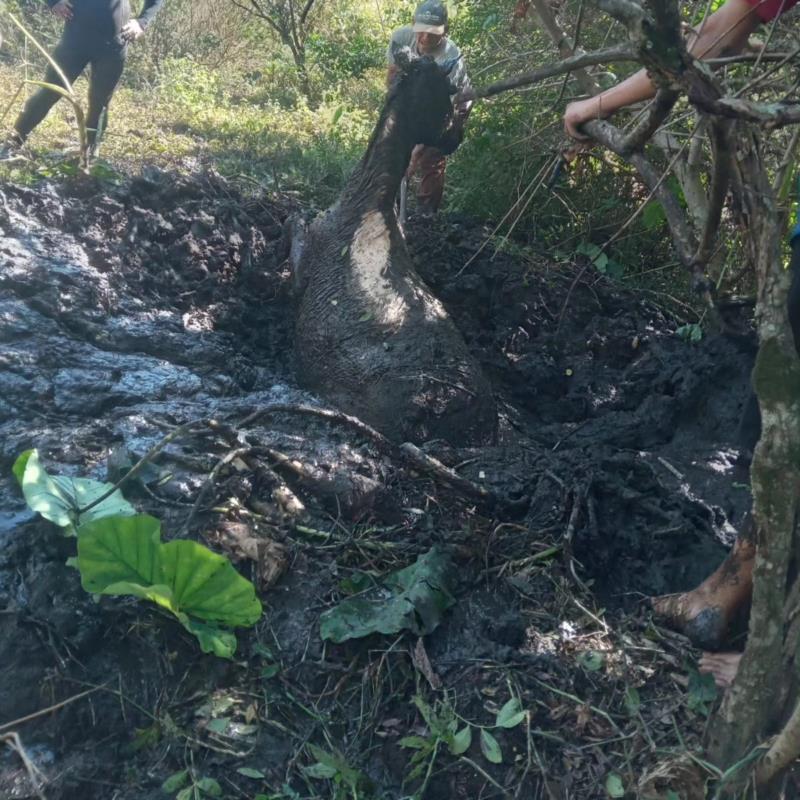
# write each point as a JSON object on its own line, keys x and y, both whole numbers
{"x": 705, "y": 613}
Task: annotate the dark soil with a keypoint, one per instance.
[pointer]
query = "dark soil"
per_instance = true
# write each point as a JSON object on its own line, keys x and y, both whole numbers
{"x": 126, "y": 311}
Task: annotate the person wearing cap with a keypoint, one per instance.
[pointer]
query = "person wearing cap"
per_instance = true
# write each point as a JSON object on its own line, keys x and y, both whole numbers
{"x": 724, "y": 31}
{"x": 427, "y": 36}
{"x": 96, "y": 33}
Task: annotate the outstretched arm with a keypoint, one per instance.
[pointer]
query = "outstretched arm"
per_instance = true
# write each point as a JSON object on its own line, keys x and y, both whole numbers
{"x": 726, "y": 29}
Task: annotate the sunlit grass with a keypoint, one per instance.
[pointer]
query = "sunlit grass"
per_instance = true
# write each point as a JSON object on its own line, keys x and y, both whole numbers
{"x": 190, "y": 122}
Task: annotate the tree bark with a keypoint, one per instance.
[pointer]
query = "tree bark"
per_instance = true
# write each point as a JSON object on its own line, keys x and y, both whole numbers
{"x": 755, "y": 705}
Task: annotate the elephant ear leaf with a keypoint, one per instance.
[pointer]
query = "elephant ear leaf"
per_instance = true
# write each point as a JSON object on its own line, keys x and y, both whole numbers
{"x": 58, "y": 498}
{"x": 125, "y": 556}
{"x": 212, "y": 639}
{"x": 206, "y": 585}
{"x": 414, "y": 598}
{"x": 116, "y": 552}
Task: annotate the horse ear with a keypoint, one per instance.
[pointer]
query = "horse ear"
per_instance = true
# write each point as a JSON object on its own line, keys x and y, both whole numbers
{"x": 402, "y": 57}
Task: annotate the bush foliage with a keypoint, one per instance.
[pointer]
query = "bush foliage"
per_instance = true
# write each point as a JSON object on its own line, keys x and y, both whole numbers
{"x": 213, "y": 82}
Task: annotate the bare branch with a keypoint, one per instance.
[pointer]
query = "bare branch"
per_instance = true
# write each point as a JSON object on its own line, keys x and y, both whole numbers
{"x": 629, "y": 13}
{"x": 610, "y": 137}
{"x": 743, "y": 58}
{"x": 560, "y": 68}
{"x": 306, "y": 11}
{"x": 254, "y": 8}
{"x": 563, "y": 43}
{"x": 659, "y": 110}
{"x": 719, "y": 190}
{"x": 768, "y": 115}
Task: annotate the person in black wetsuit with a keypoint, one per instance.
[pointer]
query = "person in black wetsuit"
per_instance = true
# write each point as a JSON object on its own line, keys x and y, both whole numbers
{"x": 96, "y": 34}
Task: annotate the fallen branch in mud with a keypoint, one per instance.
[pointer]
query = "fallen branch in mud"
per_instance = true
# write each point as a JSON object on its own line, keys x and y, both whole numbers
{"x": 35, "y": 776}
{"x": 412, "y": 454}
{"x": 44, "y": 711}
{"x": 408, "y": 452}
{"x": 143, "y": 461}
{"x": 209, "y": 482}
{"x": 329, "y": 414}
{"x": 438, "y": 470}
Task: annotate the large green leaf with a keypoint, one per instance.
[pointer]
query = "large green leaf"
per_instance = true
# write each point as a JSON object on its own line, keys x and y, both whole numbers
{"x": 414, "y": 598}
{"x": 206, "y": 585}
{"x": 120, "y": 550}
{"x": 58, "y": 498}
{"x": 125, "y": 556}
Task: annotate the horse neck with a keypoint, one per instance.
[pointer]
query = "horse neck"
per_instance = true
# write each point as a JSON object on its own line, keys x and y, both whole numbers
{"x": 375, "y": 182}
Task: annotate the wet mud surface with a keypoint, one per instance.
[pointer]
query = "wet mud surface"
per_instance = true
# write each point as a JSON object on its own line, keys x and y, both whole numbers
{"x": 127, "y": 311}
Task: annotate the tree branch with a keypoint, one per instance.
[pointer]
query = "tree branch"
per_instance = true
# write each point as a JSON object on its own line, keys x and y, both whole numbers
{"x": 306, "y": 11}
{"x": 564, "y": 45}
{"x": 610, "y": 137}
{"x": 768, "y": 115}
{"x": 719, "y": 190}
{"x": 662, "y": 104}
{"x": 559, "y": 68}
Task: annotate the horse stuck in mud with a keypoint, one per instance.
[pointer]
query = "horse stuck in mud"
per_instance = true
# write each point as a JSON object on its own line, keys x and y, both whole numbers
{"x": 370, "y": 336}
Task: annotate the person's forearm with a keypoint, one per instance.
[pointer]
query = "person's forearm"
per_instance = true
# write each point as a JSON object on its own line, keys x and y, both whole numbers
{"x": 633, "y": 89}
{"x": 151, "y": 8}
{"x": 725, "y": 30}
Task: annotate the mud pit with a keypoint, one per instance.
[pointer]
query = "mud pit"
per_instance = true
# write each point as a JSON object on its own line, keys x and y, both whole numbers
{"x": 128, "y": 311}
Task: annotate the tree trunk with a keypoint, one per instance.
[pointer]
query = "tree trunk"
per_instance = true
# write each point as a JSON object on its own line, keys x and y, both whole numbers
{"x": 756, "y": 704}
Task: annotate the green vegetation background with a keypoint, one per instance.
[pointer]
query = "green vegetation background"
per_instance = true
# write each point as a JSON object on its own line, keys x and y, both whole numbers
{"x": 211, "y": 85}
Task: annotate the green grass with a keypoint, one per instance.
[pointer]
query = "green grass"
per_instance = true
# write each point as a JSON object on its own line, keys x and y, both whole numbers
{"x": 192, "y": 118}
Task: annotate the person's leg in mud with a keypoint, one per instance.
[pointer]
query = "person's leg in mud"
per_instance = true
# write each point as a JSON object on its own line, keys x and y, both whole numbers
{"x": 429, "y": 163}
{"x": 107, "y": 69}
{"x": 705, "y": 613}
{"x": 72, "y": 56}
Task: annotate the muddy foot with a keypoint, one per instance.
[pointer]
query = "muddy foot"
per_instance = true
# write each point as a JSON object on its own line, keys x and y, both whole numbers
{"x": 723, "y": 666}
{"x": 690, "y": 613}
{"x": 705, "y": 613}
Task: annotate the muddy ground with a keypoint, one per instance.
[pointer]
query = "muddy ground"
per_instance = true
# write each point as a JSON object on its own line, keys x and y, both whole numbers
{"x": 127, "y": 310}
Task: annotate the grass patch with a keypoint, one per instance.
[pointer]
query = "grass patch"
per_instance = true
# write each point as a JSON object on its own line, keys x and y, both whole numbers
{"x": 193, "y": 118}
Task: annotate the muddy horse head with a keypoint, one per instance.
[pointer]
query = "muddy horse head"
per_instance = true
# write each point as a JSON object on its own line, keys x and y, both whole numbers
{"x": 421, "y": 100}
{"x": 370, "y": 336}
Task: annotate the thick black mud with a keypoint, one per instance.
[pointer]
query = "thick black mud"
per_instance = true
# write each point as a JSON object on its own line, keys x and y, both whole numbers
{"x": 127, "y": 311}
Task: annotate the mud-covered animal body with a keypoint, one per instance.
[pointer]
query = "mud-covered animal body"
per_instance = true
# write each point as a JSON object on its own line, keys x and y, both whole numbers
{"x": 370, "y": 337}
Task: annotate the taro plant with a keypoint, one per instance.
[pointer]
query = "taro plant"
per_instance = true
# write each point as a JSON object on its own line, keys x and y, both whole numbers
{"x": 66, "y": 501}
{"x": 120, "y": 552}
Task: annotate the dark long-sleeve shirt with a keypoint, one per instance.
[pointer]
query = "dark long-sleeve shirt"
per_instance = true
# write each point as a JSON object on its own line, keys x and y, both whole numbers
{"x": 106, "y": 18}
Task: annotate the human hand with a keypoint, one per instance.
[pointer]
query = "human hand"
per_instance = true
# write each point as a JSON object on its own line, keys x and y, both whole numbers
{"x": 131, "y": 31}
{"x": 62, "y": 9}
{"x": 579, "y": 112}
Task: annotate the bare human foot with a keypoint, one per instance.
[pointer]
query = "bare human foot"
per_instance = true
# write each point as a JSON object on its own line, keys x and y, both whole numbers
{"x": 705, "y": 613}
{"x": 723, "y": 666}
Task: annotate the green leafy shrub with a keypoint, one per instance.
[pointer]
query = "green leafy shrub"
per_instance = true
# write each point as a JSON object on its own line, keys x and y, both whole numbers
{"x": 125, "y": 556}
{"x": 121, "y": 553}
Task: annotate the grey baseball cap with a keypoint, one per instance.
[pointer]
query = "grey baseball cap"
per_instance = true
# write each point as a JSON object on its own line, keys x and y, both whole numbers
{"x": 431, "y": 17}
